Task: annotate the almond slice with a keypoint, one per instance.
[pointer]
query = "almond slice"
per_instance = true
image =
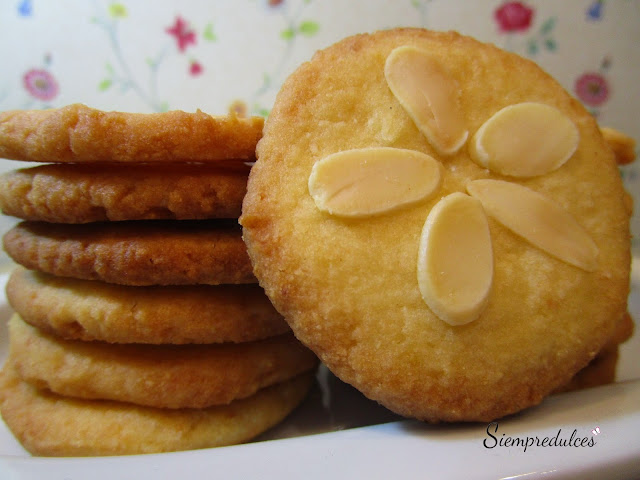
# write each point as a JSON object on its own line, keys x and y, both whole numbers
{"x": 430, "y": 96}
{"x": 538, "y": 220}
{"x": 369, "y": 181}
{"x": 525, "y": 140}
{"x": 455, "y": 259}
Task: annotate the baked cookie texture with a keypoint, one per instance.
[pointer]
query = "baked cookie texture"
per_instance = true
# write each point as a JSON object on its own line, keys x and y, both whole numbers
{"x": 77, "y": 133}
{"x": 52, "y": 425}
{"x": 602, "y": 369}
{"x": 163, "y": 376}
{"x": 134, "y": 253}
{"x": 139, "y": 326}
{"x": 348, "y": 286}
{"x": 623, "y": 146}
{"x": 173, "y": 314}
{"x": 65, "y": 193}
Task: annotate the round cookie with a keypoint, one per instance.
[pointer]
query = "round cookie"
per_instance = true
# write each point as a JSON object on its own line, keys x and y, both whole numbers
{"x": 623, "y": 146}
{"x": 163, "y": 376}
{"x": 600, "y": 371}
{"x": 623, "y": 331}
{"x": 77, "y": 133}
{"x": 63, "y": 193}
{"x": 154, "y": 252}
{"x": 348, "y": 286}
{"x": 50, "y": 425}
{"x": 91, "y": 310}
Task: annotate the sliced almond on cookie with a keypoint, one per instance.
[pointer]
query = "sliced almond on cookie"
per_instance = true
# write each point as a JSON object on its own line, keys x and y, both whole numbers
{"x": 430, "y": 96}
{"x": 368, "y": 181}
{"x": 537, "y": 219}
{"x": 455, "y": 259}
{"x": 525, "y": 140}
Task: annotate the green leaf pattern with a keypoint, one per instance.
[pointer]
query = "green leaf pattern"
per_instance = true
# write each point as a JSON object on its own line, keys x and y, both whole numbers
{"x": 121, "y": 74}
{"x": 295, "y": 29}
{"x": 543, "y": 39}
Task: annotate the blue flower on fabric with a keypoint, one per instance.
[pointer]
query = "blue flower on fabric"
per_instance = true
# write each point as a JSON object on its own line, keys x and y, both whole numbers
{"x": 25, "y": 8}
{"x": 594, "y": 12}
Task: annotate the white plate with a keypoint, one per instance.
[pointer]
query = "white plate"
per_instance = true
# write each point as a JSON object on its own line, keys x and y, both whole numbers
{"x": 339, "y": 433}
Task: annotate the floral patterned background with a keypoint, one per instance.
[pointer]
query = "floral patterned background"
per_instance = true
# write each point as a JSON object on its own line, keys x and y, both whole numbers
{"x": 232, "y": 55}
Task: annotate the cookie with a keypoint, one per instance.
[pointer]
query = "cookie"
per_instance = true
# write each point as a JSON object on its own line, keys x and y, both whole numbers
{"x": 77, "y": 133}
{"x": 623, "y": 146}
{"x": 623, "y": 331}
{"x": 350, "y": 222}
{"x": 600, "y": 371}
{"x": 92, "y": 310}
{"x": 51, "y": 425}
{"x": 164, "y": 376}
{"x": 64, "y": 193}
{"x": 154, "y": 252}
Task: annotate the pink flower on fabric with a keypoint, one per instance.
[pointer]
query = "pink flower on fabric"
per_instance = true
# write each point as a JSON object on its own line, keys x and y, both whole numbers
{"x": 182, "y": 34}
{"x": 40, "y": 84}
{"x": 195, "y": 68}
{"x": 513, "y": 17}
{"x": 239, "y": 108}
{"x": 592, "y": 89}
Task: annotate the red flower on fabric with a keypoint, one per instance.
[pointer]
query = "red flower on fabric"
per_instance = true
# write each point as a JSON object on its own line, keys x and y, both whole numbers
{"x": 275, "y": 3}
{"x": 40, "y": 84}
{"x": 195, "y": 68}
{"x": 513, "y": 17}
{"x": 592, "y": 89}
{"x": 182, "y": 34}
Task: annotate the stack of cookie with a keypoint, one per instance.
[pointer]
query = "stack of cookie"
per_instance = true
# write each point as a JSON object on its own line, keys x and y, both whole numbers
{"x": 140, "y": 327}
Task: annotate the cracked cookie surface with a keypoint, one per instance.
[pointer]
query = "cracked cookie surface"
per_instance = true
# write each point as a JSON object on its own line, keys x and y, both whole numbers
{"x": 151, "y": 252}
{"x": 64, "y": 193}
{"x": 78, "y": 133}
